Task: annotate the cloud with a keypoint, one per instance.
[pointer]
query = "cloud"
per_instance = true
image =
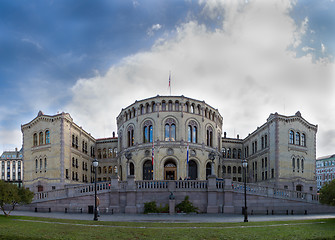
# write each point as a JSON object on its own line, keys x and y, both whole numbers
{"x": 155, "y": 27}
{"x": 247, "y": 69}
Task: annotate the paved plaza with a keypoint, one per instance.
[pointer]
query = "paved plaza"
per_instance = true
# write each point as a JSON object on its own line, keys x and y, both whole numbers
{"x": 177, "y": 218}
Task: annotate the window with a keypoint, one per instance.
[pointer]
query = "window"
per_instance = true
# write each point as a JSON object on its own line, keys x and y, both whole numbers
{"x": 223, "y": 152}
{"x": 147, "y": 132}
{"x": 297, "y": 138}
{"x": 293, "y": 164}
{"x": 35, "y": 139}
{"x": 239, "y": 154}
{"x": 291, "y": 138}
{"x": 47, "y": 137}
{"x": 40, "y": 164}
{"x": 266, "y": 141}
{"x": 298, "y": 164}
{"x": 170, "y": 106}
{"x": 228, "y": 153}
{"x": 170, "y": 130}
{"x": 104, "y": 152}
{"x": 303, "y": 140}
{"x": 302, "y": 165}
{"x": 192, "y": 132}
{"x": 176, "y": 106}
{"x": 40, "y": 140}
{"x": 130, "y": 136}
{"x": 45, "y": 164}
{"x": 209, "y": 136}
{"x": 163, "y": 106}
{"x": 36, "y": 165}
{"x": 262, "y": 142}
{"x": 234, "y": 153}
{"x": 234, "y": 169}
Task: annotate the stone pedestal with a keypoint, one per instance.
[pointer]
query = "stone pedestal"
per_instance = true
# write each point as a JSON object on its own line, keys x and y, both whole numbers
{"x": 172, "y": 205}
{"x": 212, "y": 206}
{"x": 131, "y": 195}
{"x": 228, "y": 197}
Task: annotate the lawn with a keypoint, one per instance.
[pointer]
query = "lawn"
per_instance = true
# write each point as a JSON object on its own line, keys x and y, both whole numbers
{"x": 18, "y": 227}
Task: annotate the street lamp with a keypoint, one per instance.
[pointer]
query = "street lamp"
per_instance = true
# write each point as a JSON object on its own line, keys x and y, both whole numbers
{"x": 95, "y": 165}
{"x": 128, "y": 155}
{"x": 245, "y": 165}
{"x": 211, "y": 156}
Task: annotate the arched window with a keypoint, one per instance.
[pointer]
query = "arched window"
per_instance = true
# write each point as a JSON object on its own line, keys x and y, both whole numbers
{"x": 239, "y": 170}
{"x": 229, "y": 153}
{"x": 192, "y": 170}
{"x": 147, "y": 132}
{"x": 36, "y": 165}
{"x": 115, "y": 152}
{"x": 147, "y": 108}
{"x": 303, "y": 140}
{"x": 223, "y": 152}
{"x": 41, "y": 164}
{"x": 192, "y": 108}
{"x": 130, "y": 136}
{"x": 223, "y": 169}
{"x": 302, "y": 165}
{"x": 234, "y": 169}
{"x": 170, "y": 106}
{"x": 199, "y": 109}
{"x": 47, "y": 137}
{"x": 104, "y": 152}
{"x": 298, "y": 164}
{"x": 239, "y": 154}
{"x": 45, "y": 164}
{"x": 209, "y": 136}
{"x": 99, "y": 153}
{"x": 153, "y": 107}
{"x": 234, "y": 153}
{"x": 147, "y": 170}
{"x": 291, "y": 138}
{"x": 192, "y": 132}
{"x": 142, "y": 109}
{"x": 229, "y": 169}
{"x": 187, "y": 106}
{"x": 293, "y": 164}
{"x": 131, "y": 169}
{"x": 40, "y": 140}
{"x": 163, "y": 106}
{"x": 35, "y": 139}
{"x": 170, "y": 130}
{"x": 176, "y": 106}
{"x": 297, "y": 138}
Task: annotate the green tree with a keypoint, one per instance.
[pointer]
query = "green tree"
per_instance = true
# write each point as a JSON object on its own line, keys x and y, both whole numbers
{"x": 12, "y": 195}
{"x": 327, "y": 193}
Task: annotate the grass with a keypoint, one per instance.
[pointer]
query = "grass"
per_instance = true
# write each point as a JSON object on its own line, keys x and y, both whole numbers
{"x": 29, "y": 228}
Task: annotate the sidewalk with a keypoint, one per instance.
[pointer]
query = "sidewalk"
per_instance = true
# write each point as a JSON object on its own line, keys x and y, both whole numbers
{"x": 178, "y": 218}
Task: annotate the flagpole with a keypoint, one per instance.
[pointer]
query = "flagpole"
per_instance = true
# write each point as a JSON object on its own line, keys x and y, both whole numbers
{"x": 153, "y": 157}
{"x": 187, "y": 156}
{"x": 170, "y": 82}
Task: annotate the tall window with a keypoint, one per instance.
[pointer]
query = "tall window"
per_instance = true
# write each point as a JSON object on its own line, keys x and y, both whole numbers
{"x": 223, "y": 152}
{"x": 192, "y": 132}
{"x": 234, "y": 153}
{"x": 239, "y": 154}
{"x": 45, "y": 164}
{"x": 209, "y": 136}
{"x": 297, "y": 138}
{"x": 266, "y": 141}
{"x": 170, "y": 106}
{"x": 228, "y": 153}
{"x": 303, "y": 140}
{"x": 47, "y": 137}
{"x": 130, "y": 136}
{"x": 163, "y": 106}
{"x": 293, "y": 164}
{"x": 40, "y": 140}
{"x": 291, "y": 138}
{"x": 36, "y": 165}
{"x": 176, "y": 106}
{"x": 147, "y": 132}
{"x": 35, "y": 139}
{"x": 170, "y": 130}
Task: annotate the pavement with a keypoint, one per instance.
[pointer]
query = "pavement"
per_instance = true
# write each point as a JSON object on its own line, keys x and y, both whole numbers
{"x": 177, "y": 218}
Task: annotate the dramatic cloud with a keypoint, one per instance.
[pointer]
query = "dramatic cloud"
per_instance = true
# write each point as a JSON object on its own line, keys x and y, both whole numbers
{"x": 247, "y": 68}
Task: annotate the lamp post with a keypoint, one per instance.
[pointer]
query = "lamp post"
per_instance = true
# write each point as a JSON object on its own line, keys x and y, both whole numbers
{"x": 128, "y": 155}
{"x": 211, "y": 156}
{"x": 95, "y": 165}
{"x": 245, "y": 165}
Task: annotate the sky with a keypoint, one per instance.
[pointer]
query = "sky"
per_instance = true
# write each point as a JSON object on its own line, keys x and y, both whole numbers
{"x": 246, "y": 58}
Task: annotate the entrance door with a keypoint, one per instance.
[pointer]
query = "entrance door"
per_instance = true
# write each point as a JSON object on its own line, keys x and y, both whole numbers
{"x": 170, "y": 171}
{"x": 192, "y": 170}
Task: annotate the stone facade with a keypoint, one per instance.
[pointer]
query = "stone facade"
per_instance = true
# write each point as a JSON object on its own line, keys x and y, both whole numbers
{"x": 170, "y": 138}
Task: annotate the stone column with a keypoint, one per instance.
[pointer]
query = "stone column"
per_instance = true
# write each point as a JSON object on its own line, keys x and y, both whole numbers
{"x": 114, "y": 196}
{"x": 212, "y": 205}
{"x": 228, "y": 206}
{"x": 131, "y": 195}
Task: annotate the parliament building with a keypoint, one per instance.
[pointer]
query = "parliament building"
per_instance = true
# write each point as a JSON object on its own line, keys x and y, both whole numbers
{"x": 169, "y": 138}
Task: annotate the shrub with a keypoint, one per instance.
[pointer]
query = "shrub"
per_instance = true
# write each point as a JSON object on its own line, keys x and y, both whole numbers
{"x": 150, "y": 207}
{"x": 186, "y": 206}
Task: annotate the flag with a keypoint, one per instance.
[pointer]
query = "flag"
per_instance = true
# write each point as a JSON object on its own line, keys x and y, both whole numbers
{"x": 170, "y": 79}
{"x": 187, "y": 152}
{"x": 153, "y": 154}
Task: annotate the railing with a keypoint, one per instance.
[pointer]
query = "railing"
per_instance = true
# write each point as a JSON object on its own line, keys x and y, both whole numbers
{"x": 151, "y": 184}
{"x": 191, "y": 184}
{"x": 275, "y": 192}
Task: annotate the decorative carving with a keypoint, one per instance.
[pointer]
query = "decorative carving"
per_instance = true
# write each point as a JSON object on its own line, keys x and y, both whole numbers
{"x": 147, "y": 153}
{"x": 169, "y": 151}
{"x": 193, "y": 153}
{"x": 170, "y": 121}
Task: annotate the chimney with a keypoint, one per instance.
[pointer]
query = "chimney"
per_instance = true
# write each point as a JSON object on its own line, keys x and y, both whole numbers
{"x": 225, "y": 134}
{"x": 113, "y": 134}
{"x": 238, "y": 136}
